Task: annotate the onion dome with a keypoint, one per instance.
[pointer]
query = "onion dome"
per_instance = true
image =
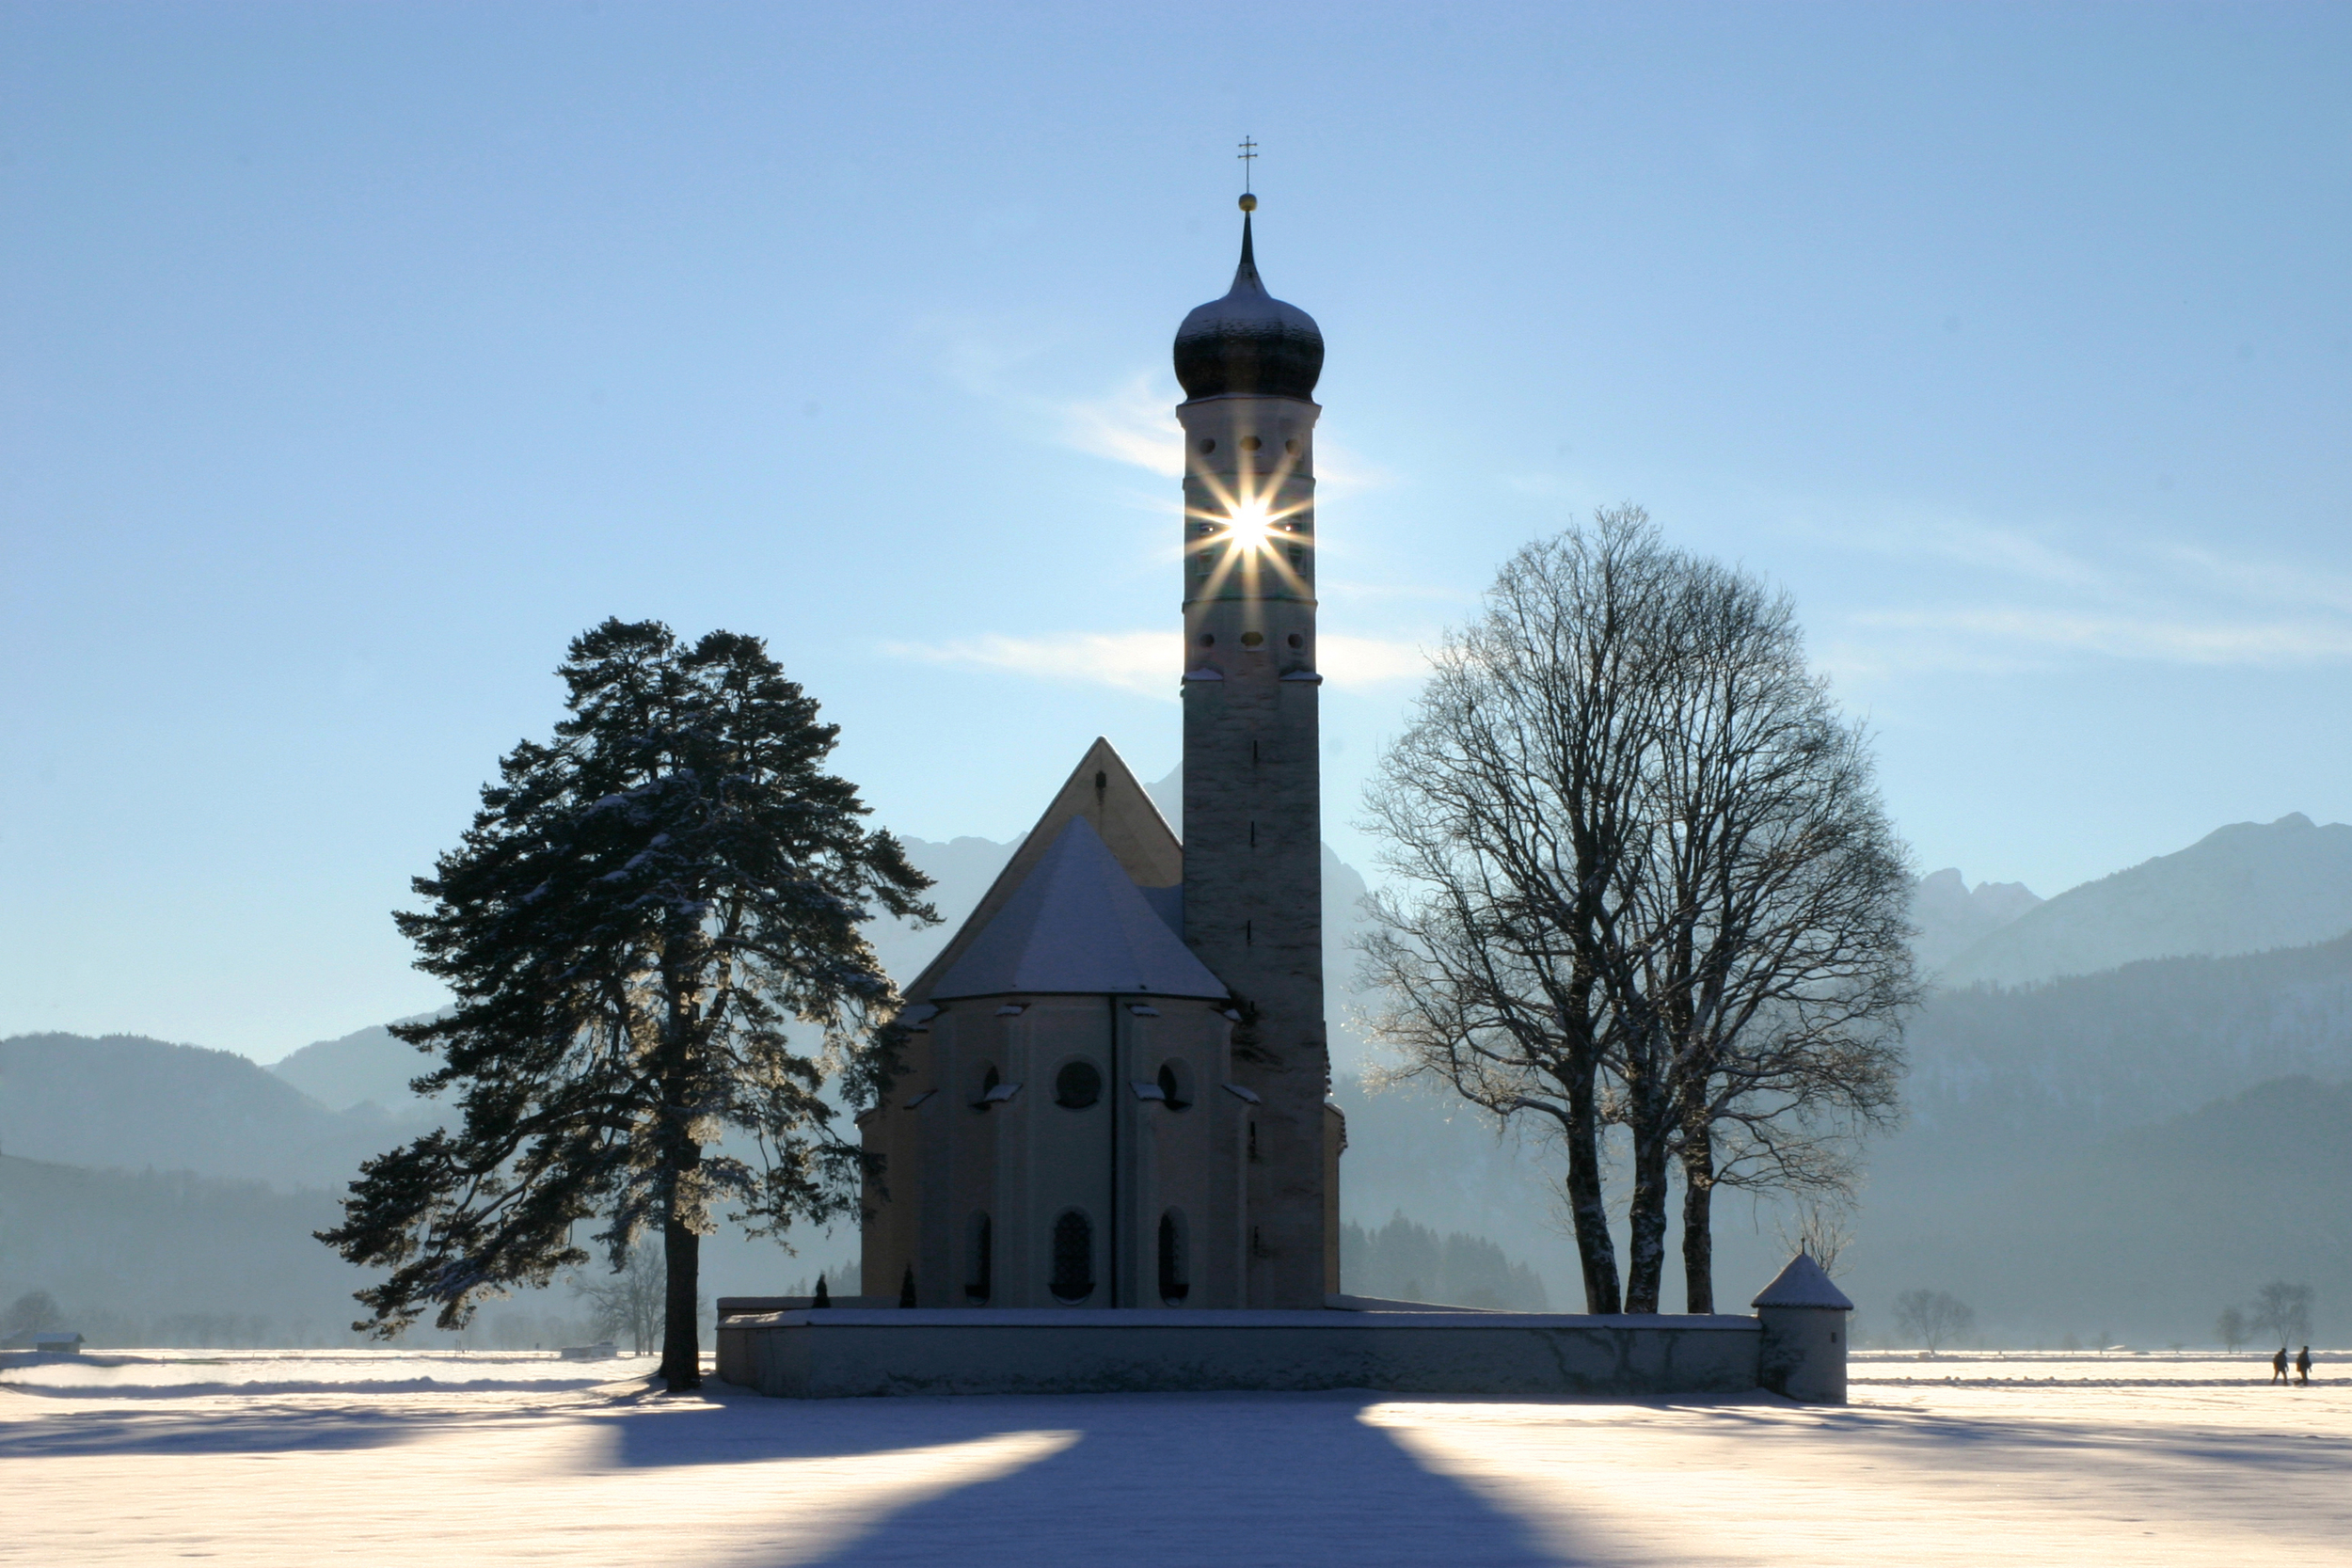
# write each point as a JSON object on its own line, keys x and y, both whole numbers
{"x": 1249, "y": 342}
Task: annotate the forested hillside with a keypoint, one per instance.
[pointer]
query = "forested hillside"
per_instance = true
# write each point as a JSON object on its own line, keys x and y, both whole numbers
{"x": 169, "y": 1258}
{"x": 123, "y": 1102}
{"x": 2143, "y": 1236}
{"x": 1996, "y": 1074}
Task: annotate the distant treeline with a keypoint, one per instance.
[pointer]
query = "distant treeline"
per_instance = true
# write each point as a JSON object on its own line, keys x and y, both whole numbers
{"x": 1404, "y": 1261}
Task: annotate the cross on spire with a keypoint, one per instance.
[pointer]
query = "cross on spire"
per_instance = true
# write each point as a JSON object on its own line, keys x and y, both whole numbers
{"x": 1248, "y": 155}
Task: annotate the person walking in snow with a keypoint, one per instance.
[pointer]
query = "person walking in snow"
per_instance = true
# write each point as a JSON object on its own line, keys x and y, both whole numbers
{"x": 2303, "y": 1367}
{"x": 2279, "y": 1366}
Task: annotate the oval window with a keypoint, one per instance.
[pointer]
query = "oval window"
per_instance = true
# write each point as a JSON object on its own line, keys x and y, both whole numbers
{"x": 1175, "y": 1086}
{"x": 1252, "y": 639}
{"x": 1078, "y": 1085}
{"x": 1250, "y": 443}
{"x": 1207, "y": 444}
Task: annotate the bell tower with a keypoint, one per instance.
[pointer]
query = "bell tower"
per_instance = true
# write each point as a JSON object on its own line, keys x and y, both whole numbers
{"x": 1253, "y": 829}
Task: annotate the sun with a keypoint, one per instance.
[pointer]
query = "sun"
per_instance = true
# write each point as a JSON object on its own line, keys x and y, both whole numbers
{"x": 1249, "y": 525}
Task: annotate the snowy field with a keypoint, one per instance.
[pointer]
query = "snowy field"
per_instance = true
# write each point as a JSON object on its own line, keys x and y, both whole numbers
{"x": 366, "y": 1458}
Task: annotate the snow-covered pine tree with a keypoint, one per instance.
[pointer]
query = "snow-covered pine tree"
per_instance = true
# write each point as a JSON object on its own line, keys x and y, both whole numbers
{"x": 637, "y": 917}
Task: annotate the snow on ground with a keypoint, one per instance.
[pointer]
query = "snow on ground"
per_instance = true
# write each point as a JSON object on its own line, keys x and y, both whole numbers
{"x": 364, "y": 1458}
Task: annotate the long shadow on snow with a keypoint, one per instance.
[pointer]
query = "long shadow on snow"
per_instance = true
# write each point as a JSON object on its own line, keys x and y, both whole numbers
{"x": 264, "y": 1431}
{"x": 1229, "y": 1479}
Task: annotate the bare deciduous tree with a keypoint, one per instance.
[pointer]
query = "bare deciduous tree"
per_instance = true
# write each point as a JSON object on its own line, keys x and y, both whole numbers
{"x": 33, "y": 1312}
{"x": 2231, "y": 1329}
{"x": 1640, "y": 875}
{"x": 1774, "y": 962}
{"x": 1507, "y": 812}
{"x": 2284, "y": 1309}
{"x": 1933, "y": 1317}
{"x": 1822, "y": 1229}
{"x": 629, "y": 1300}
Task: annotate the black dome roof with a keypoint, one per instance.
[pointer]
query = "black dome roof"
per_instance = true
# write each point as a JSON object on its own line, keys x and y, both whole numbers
{"x": 1249, "y": 342}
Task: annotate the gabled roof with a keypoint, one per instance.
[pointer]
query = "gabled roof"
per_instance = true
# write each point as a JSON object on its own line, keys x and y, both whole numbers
{"x": 1130, "y": 826}
{"x": 1804, "y": 1283}
{"x": 1077, "y": 924}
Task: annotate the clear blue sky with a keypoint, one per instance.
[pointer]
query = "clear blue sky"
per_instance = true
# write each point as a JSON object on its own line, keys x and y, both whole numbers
{"x": 354, "y": 358}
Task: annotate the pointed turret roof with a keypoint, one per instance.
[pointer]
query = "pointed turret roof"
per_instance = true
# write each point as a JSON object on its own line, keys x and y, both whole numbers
{"x": 1077, "y": 925}
{"x": 1804, "y": 1283}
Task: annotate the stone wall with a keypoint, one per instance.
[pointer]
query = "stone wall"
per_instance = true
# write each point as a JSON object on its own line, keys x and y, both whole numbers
{"x": 835, "y": 1353}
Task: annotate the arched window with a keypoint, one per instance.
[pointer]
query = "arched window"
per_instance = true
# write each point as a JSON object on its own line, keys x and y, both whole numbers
{"x": 989, "y": 1080}
{"x": 980, "y": 1283}
{"x": 1175, "y": 1086}
{"x": 1175, "y": 1276}
{"x": 1078, "y": 1085}
{"x": 1074, "y": 1258}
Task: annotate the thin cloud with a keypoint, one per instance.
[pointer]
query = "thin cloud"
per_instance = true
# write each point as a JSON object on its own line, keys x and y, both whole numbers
{"x": 2267, "y": 582}
{"x": 2155, "y": 637}
{"x": 1147, "y": 663}
{"x": 1369, "y": 660}
{"x": 1136, "y": 425}
{"x": 1139, "y": 661}
{"x": 1133, "y": 424}
{"x": 2026, "y": 601}
{"x": 1964, "y": 541}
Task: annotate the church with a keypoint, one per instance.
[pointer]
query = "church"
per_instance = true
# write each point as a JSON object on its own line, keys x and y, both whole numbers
{"x": 1110, "y": 1164}
{"x": 1115, "y": 1092}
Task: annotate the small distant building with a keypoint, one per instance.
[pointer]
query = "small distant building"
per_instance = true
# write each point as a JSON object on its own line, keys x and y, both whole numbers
{"x": 65, "y": 1343}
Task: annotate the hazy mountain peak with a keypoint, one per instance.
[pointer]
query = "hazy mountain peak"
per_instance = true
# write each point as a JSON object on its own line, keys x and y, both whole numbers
{"x": 367, "y": 1067}
{"x": 2244, "y": 888}
{"x": 2293, "y": 821}
{"x": 1952, "y": 916}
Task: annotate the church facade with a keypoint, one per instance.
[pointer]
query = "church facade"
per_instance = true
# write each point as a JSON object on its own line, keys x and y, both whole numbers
{"x": 1115, "y": 1091}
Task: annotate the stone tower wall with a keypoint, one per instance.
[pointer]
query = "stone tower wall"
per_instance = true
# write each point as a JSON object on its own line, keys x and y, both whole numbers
{"x": 1253, "y": 826}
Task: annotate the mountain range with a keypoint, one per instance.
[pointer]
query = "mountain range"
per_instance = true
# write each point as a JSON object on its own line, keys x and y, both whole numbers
{"x": 2074, "y": 1140}
{"x": 2239, "y": 889}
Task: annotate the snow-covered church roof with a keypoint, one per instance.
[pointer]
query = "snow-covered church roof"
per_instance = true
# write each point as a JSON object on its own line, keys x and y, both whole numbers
{"x": 1077, "y": 924}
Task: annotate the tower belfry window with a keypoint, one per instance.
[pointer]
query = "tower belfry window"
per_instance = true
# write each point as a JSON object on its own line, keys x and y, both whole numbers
{"x": 1078, "y": 1085}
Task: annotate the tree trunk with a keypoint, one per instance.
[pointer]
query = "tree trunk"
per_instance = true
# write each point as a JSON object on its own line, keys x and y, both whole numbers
{"x": 1699, "y": 1234}
{"x": 1595, "y": 1248}
{"x": 681, "y": 1341}
{"x": 1645, "y": 1222}
{"x": 1650, "y": 1112}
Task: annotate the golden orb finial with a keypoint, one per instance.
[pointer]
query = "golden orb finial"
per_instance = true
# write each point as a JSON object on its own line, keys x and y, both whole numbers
{"x": 1248, "y": 203}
